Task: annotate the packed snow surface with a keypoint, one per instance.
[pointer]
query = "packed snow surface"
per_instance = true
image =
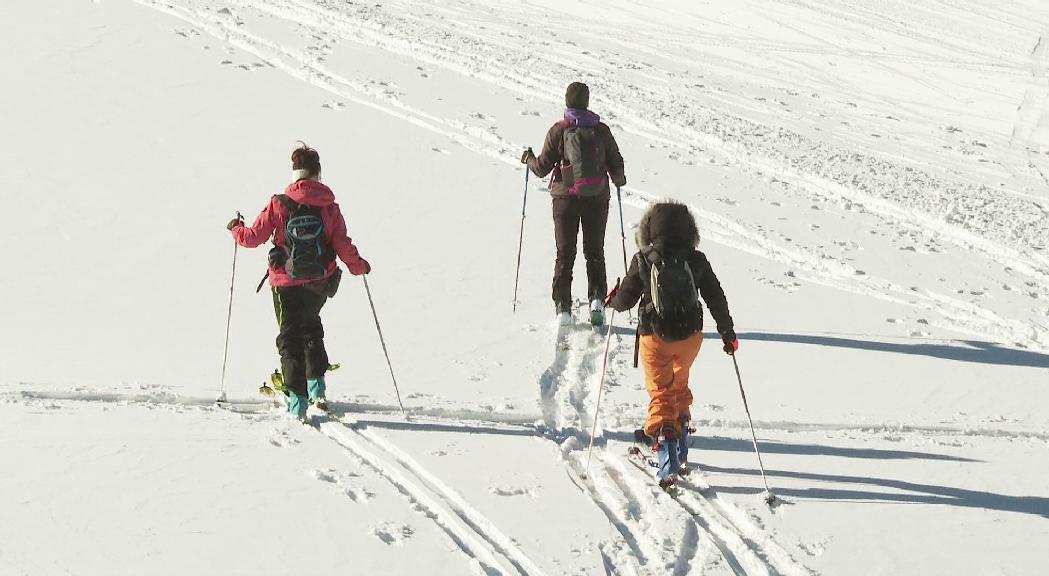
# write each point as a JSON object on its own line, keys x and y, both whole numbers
{"x": 871, "y": 182}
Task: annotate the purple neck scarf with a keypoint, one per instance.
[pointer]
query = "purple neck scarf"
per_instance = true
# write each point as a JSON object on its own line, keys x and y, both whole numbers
{"x": 581, "y": 117}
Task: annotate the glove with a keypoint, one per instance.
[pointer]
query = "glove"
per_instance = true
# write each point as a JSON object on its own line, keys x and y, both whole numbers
{"x": 612, "y": 294}
{"x": 238, "y": 221}
{"x": 528, "y": 154}
{"x": 361, "y": 269}
{"x": 731, "y": 342}
{"x": 619, "y": 181}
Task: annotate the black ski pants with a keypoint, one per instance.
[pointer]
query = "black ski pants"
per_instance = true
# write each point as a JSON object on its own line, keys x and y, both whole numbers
{"x": 591, "y": 212}
{"x": 301, "y": 337}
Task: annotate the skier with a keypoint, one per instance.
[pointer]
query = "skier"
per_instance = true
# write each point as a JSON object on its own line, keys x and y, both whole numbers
{"x": 582, "y": 154}
{"x": 308, "y": 231}
{"x": 665, "y": 275}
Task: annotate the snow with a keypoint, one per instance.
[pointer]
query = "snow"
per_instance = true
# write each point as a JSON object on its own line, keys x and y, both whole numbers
{"x": 870, "y": 182}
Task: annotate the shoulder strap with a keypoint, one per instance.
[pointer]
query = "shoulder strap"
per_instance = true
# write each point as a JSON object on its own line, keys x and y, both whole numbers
{"x": 288, "y": 203}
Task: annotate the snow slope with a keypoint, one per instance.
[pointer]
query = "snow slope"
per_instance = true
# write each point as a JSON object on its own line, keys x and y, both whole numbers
{"x": 870, "y": 183}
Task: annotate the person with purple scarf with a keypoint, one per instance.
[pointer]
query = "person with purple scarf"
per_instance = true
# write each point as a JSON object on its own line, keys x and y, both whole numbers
{"x": 582, "y": 155}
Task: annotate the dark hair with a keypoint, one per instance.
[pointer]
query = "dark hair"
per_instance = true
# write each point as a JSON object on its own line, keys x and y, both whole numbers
{"x": 306, "y": 158}
{"x": 577, "y": 95}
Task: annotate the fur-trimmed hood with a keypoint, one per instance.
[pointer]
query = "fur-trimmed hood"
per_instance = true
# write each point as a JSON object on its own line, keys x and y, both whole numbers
{"x": 667, "y": 226}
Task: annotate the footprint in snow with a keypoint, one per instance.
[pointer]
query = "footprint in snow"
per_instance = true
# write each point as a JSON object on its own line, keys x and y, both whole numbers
{"x": 530, "y": 492}
{"x": 393, "y": 535}
{"x": 324, "y": 475}
{"x": 334, "y": 105}
{"x": 358, "y": 494}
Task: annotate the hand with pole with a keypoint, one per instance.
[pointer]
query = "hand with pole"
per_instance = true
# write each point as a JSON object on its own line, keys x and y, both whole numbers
{"x": 239, "y": 220}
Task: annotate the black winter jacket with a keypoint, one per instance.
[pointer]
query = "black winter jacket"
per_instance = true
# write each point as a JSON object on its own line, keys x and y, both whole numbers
{"x": 636, "y": 285}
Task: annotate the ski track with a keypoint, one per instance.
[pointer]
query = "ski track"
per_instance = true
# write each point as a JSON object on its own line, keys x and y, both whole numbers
{"x": 519, "y": 422}
{"x": 969, "y": 217}
{"x": 697, "y": 533}
{"x": 681, "y": 537}
{"x": 475, "y": 535}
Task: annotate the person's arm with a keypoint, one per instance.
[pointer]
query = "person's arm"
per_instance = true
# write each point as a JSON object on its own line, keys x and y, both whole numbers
{"x": 343, "y": 245}
{"x": 714, "y": 296}
{"x": 630, "y": 289}
{"x": 260, "y": 231}
{"x": 613, "y": 159}
{"x": 551, "y": 154}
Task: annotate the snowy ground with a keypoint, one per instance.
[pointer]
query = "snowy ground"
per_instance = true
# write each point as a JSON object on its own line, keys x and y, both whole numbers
{"x": 871, "y": 185}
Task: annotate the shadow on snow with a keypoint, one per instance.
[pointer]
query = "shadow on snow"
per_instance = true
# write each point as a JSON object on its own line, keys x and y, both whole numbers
{"x": 961, "y": 350}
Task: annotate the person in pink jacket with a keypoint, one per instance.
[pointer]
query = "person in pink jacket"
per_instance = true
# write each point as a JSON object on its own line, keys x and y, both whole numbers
{"x": 308, "y": 232}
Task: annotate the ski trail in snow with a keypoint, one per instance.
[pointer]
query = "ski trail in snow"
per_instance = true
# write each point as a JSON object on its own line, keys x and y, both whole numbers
{"x": 474, "y": 534}
{"x": 520, "y": 422}
{"x": 660, "y": 535}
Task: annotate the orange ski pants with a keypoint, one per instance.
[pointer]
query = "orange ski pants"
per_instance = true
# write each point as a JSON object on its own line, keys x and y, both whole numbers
{"x": 667, "y": 365}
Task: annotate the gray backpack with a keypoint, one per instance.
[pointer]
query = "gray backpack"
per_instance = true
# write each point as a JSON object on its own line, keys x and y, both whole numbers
{"x": 583, "y": 169}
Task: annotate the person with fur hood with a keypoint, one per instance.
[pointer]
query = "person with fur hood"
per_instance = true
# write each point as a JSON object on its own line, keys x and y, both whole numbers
{"x": 582, "y": 155}
{"x": 665, "y": 275}
{"x": 308, "y": 231}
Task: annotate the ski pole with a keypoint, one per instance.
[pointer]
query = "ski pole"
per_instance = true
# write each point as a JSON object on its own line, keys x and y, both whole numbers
{"x": 383, "y": 342}
{"x": 622, "y": 228}
{"x": 637, "y": 340}
{"x": 600, "y": 393}
{"x": 262, "y": 281}
{"x": 622, "y": 236}
{"x": 770, "y": 498}
{"x": 520, "y": 238}
{"x": 229, "y": 316}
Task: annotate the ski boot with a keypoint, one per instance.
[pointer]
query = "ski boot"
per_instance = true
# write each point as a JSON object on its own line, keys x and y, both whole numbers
{"x": 683, "y": 443}
{"x": 316, "y": 388}
{"x": 597, "y": 313}
{"x": 297, "y": 407}
{"x": 667, "y": 459}
{"x": 564, "y": 313}
{"x": 666, "y": 449}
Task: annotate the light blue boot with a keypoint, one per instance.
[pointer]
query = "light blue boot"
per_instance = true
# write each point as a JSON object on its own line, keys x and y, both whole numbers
{"x": 668, "y": 461}
{"x": 682, "y": 446}
{"x": 297, "y": 406}
{"x": 316, "y": 389}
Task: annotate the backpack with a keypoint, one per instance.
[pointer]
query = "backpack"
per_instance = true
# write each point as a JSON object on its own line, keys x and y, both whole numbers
{"x": 583, "y": 168}
{"x": 674, "y": 299}
{"x": 307, "y": 253}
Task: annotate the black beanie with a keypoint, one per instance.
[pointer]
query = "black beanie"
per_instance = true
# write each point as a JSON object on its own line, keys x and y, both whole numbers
{"x": 577, "y": 96}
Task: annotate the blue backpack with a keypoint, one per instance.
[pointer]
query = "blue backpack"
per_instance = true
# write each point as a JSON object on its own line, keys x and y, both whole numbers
{"x": 307, "y": 254}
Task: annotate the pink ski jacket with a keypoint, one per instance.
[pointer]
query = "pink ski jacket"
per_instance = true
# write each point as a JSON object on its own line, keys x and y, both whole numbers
{"x": 274, "y": 219}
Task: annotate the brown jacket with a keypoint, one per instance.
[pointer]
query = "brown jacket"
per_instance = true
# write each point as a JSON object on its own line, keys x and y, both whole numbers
{"x": 553, "y": 154}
